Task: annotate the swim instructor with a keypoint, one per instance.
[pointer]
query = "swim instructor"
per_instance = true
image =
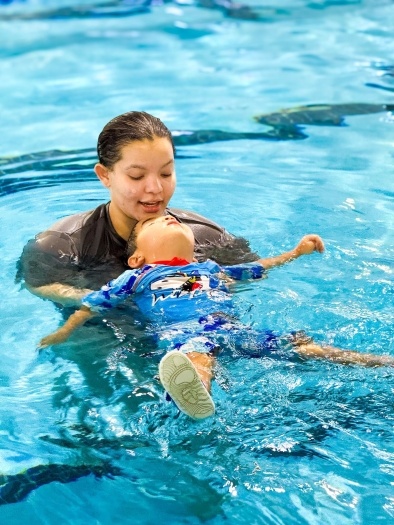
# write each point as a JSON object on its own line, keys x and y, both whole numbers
{"x": 81, "y": 252}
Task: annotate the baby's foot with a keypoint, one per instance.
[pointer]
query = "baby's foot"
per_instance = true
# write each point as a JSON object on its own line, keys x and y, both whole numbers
{"x": 180, "y": 379}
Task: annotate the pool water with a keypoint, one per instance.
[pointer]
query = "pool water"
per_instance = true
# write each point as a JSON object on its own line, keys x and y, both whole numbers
{"x": 86, "y": 435}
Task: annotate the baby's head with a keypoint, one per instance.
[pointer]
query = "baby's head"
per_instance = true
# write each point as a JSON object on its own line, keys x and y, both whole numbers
{"x": 160, "y": 239}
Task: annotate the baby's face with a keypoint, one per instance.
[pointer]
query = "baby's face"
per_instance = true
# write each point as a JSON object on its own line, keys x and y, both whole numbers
{"x": 157, "y": 233}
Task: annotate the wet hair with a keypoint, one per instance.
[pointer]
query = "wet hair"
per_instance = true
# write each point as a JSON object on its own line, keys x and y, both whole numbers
{"x": 128, "y": 127}
{"x": 131, "y": 243}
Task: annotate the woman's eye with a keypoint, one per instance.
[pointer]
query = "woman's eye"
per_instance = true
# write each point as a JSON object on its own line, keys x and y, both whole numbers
{"x": 136, "y": 177}
{"x": 166, "y": 175}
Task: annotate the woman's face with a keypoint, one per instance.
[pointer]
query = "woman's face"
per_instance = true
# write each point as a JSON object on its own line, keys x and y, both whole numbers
{"x": 142, "y": 182}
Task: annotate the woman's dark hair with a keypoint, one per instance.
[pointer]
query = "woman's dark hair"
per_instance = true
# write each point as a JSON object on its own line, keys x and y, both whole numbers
{"x": 126, "y": 128}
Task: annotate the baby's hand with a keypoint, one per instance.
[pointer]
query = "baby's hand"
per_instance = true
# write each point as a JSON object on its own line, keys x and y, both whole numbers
{"x": 52, "y": 339}
{"x": 309, "y": 244}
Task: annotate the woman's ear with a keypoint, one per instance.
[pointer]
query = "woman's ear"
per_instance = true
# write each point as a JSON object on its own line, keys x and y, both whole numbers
{"x": 136, "y": 260}
{"x": 103, "y": 174}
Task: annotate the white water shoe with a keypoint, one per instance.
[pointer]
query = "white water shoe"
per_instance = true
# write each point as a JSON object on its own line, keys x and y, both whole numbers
{"x": 179, "y": 377}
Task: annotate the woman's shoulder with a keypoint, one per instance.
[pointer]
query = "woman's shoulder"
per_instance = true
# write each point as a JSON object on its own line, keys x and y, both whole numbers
{"x": 192, "y": 218}
{"x": 73, "y": 223}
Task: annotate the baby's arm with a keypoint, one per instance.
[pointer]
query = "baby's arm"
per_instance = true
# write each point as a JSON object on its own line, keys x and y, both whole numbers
{"x": 308, "y": 244}
{"x": 75, "y": 320}
{"x": 112, "y": 293}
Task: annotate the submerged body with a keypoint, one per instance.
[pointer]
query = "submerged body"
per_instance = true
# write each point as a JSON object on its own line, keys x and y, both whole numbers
{"x": 182, "y": 301}
{"x": 319, "y": 114}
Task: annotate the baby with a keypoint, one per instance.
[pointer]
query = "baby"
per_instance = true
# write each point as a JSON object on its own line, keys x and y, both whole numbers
{"x": 188, "y": 301}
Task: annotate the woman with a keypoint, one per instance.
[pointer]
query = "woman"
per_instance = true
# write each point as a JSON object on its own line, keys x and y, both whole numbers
{"x": 80, "y": 252}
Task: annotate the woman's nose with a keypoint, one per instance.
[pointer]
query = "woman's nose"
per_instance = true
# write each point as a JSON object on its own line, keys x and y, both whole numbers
{"x": 153, "y": 184}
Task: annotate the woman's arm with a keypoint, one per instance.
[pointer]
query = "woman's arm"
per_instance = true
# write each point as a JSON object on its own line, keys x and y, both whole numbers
{"x": 63, "y": 294}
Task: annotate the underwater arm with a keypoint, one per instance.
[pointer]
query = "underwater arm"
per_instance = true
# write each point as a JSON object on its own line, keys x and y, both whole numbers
{"x": 109, "y": 296}
{"x": 63, "y": 294}
{"x": 307, "y": 245}
{"x": 60, "y": 335}
{"x": 49, "y": 273}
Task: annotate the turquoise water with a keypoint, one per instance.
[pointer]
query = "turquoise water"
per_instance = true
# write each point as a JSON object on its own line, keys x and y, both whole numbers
{"x": 292, "y": 443}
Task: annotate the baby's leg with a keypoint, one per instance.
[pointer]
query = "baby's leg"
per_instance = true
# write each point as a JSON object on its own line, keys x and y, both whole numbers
{"x": 310, "y": 350}
{"x": 180, "y": 378}
{"x": 204, "y": 364}
{"x": 201, "y": 351}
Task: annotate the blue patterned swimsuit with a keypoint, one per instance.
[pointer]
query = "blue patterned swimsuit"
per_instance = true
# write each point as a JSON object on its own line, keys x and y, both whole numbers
{"x": 184, "y": 302}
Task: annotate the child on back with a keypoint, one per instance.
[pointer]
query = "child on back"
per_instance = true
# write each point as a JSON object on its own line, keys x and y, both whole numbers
{"x": 169, "y": 288}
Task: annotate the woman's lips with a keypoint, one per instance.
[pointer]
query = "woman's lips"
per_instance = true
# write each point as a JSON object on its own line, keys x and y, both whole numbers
{"x": 152, "y": 207}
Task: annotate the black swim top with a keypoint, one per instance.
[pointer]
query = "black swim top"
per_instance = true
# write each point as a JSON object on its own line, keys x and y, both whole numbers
{"x": 84, "y": 250}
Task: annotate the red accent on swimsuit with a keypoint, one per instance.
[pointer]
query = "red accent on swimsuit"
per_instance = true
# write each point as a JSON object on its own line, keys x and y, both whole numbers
{"x": 176, "y": 261}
